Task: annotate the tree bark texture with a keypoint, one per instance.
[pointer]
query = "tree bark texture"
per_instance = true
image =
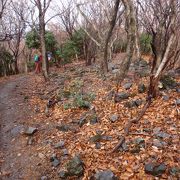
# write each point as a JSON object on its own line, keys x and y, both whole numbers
{"x": 131, "y": 36}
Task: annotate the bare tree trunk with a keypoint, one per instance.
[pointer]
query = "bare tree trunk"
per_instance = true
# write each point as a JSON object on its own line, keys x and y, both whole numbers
{"x": 131, "y": 36}
{"x": 161, "y": 58}
{"x": 43, "y": 47}
{"x": 16, "y": 66}
{"x": 112, "y": 24}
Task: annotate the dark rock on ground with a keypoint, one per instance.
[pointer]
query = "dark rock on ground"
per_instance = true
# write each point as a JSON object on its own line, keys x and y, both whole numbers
{"x": 96, "y": 138}
{"x": 113, "y": 118}
{"x": 155, "y": 169}
{"x": 133, "y": 103}
{"x": 107, "y": 138}
{"x": 141, "y": 67}
{"x": 110, "y": 95}
{"x": 105, "y": 175}
{"x": 75, "y": 167}
{"x": 140, "y": 141}
{"x": 50, "y": 103}
{"x": 65, "y": 152}
{"x": 121, "y": 96}
{"x": 136, "y": 145}
{"x": 178, "y": 102}
{"x": 124, "y": 147}
{"x": 138, "y": 102}
{"x": 127, "y": 85}
{"x": 141, "y": 88}
{"x": 162, "y": 135}
{"x": 168, "y": 82}
{"x": 55, "y": 162}
{"x": 63, "y": 174}
{"x": 135, "y": 149}
{"x": 130, "y": 104}
{"x": 98, "y": 145}
{"x": 178, "y": 90}
{"x": 148, "y": 130}
{"x": 60, "y": 144}
{"x": 175, "y": 171}
{"x": 158, "y": 143}
{"x": 99, "y": 132}
{"x": 30, "y": 131}
{"x": 63, "y": 127}
{"x": 165, "y": 98}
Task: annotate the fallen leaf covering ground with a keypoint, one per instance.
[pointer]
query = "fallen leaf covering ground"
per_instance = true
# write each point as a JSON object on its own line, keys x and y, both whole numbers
{"x": 128, "y": 164}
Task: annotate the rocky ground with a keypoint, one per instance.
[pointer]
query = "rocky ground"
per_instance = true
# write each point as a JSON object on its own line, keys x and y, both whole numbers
{"x": 67, "y": 127}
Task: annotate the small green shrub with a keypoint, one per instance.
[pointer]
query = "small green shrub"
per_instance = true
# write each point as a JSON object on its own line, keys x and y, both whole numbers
{"x": 67, "y": 106}
{"x": 80, "y": 102}
{"x": 75, "y": 96}
{"x": 71, "y": 48}
{"x": 33, "y": 40}
{"x": 145, "y": 43}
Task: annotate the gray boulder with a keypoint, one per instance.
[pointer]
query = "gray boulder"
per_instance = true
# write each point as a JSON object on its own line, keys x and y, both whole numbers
{"x": 127, "y": 85}
{"x": 113, "y": 118}
{"x": 105, "y": 175}
{"x": 30, "y": 131}
{"x": 141, "y": 88}
{"x": 121, "y": 96}
{"x": 75, "y": 167}
{"x": 60, "y": 144}
{"x": 155, "y": 169}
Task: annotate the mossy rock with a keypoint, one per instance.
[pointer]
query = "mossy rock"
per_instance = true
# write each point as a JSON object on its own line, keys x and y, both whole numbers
{"x": 75, "y": 167}
{"x": 168, "y": 82}
{"x": 96, "y": 138}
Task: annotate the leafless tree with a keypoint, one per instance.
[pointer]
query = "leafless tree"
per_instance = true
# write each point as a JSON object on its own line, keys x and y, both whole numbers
{"x": 5, "y": 25}
{"x": 131, "y": 29}
{"x": 68, "y": 17}
{"x": 18, "y": 14}
{"x": 109, "y": 34}
{"x": 102, "y": 16}
{"x": 3, "y": 4}
{"x": 42, "y": 6}
{"x": 161, "y": 21}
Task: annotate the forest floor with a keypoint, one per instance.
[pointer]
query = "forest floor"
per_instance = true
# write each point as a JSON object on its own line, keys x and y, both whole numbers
{"x": 67, "y": 127}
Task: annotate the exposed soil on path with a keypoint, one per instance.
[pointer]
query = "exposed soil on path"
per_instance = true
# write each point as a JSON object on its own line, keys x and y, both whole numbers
{"x": 15, "y": 112}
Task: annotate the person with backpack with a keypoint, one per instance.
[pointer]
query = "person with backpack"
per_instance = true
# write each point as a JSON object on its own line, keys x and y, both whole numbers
{"x": 37, "y": 63}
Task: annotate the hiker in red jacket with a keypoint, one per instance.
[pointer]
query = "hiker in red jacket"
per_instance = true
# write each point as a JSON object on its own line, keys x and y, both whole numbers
{"x": 38, "y": 62}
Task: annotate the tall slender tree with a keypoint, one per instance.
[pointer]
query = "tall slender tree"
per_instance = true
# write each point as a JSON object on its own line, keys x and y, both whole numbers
{"x": 42, "y": 6}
